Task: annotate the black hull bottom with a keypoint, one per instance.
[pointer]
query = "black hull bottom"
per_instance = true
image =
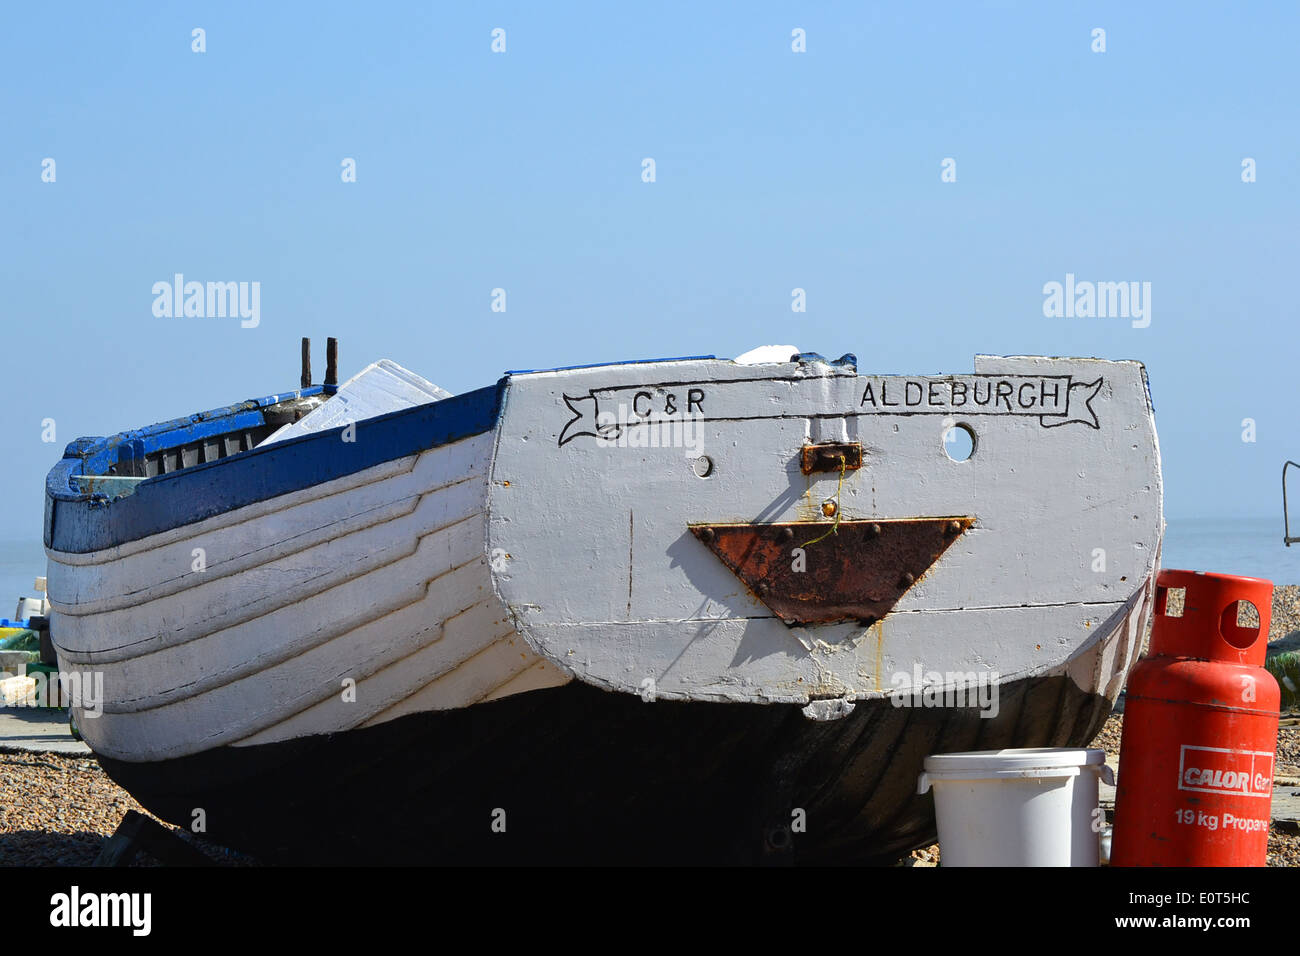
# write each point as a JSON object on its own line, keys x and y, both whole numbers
{"x": 587, "y": 776}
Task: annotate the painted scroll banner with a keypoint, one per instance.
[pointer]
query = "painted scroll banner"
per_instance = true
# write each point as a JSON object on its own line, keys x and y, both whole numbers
{"x": 604, "y": 413}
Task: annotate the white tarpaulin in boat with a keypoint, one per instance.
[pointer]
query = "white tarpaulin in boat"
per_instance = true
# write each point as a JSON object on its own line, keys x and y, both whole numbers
{"x": 376, "y": 390}
{"x": 766, "y": 354}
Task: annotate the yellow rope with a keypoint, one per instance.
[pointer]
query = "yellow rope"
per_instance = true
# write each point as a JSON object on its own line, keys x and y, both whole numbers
{"x": 838, "y": 510}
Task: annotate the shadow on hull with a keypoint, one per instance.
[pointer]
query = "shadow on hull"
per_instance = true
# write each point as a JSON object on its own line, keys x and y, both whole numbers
{"x": 586, "y": 776}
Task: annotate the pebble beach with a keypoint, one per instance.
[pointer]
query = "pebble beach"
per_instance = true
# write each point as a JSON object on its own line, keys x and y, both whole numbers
{"x": 57, "y": 809}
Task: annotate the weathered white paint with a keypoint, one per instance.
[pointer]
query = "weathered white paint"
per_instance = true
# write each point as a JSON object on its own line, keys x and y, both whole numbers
{"x": 380, "y": 578}
{"x": 510, "y": 561}
{"x": 604, "y": 579}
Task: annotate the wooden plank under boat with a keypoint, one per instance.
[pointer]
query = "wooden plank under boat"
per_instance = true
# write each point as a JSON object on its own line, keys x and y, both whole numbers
{"x": 571, "y": 605}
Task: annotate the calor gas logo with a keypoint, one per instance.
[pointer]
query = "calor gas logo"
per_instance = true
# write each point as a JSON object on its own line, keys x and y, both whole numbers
{"x": 1241, "y": 773}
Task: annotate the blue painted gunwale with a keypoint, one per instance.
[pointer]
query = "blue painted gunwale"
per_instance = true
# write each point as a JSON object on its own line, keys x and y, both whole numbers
{"x": 82, "y": 522}
{"x": 100, "y": 454}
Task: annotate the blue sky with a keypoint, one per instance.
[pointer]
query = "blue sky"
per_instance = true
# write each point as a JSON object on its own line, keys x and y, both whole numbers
{"x": 774, "y": 170}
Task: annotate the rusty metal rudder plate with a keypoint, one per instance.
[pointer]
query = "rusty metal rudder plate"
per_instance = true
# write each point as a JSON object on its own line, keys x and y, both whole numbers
{"x": 856, "y": 572}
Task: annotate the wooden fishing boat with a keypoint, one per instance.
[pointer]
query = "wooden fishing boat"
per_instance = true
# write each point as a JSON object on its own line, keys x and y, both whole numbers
{"x": 676, "y": 610}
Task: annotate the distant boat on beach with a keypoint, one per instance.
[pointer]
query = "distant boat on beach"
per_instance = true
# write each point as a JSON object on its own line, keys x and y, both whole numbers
{"x": 673, "y": 610}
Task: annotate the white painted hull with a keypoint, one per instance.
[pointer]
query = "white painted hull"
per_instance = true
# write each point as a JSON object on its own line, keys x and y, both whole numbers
{"x": 508, "y": 562}
{"x": 378, "y": 579}
{"x": 1065, "y": 538}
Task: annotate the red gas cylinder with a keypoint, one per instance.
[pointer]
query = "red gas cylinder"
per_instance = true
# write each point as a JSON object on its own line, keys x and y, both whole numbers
{"x": 1200, "y": 731}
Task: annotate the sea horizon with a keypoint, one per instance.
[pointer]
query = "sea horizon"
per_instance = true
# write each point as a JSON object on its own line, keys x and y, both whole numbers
{"x": 1226, "y": 545}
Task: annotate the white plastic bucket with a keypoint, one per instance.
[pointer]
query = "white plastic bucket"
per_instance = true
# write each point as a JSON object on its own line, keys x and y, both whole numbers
{"x": 1028, "y": 807}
